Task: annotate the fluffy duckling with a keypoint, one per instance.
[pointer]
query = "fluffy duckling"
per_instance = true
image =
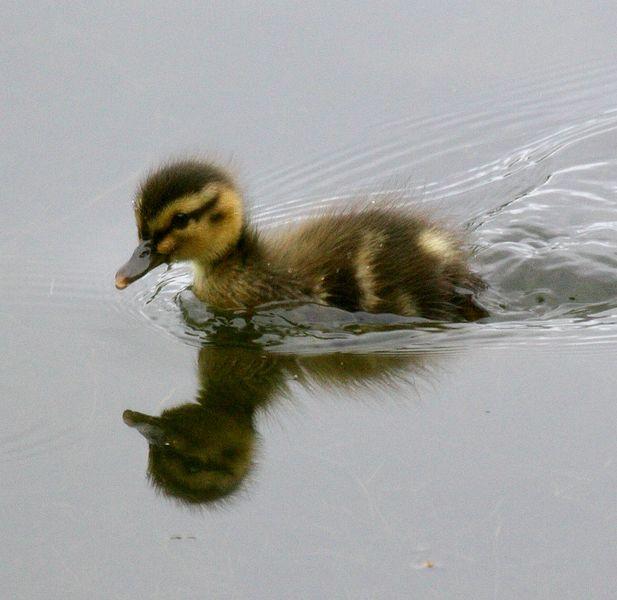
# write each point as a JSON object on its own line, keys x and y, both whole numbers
{"x": 379, "y": 260}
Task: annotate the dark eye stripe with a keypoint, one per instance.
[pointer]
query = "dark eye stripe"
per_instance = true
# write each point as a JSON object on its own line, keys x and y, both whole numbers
{"x": 194, "y": 214}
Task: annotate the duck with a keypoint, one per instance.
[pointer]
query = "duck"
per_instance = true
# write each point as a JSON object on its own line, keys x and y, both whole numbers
{"x": 377, "y": 258}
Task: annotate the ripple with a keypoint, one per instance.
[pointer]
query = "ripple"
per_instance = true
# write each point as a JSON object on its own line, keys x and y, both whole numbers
{"x": 530, "y": 173}
{"x": 483, "y": 145}
{"x": 318, "y": 329}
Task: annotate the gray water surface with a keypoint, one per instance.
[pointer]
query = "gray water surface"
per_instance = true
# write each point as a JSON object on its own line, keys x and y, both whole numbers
{"x": 390, "y": 458}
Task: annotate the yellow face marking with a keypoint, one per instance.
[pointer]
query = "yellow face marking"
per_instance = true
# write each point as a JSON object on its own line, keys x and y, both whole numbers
{"x": 186, "y": 204}
{"x": 167, "y": 245}
{"x": 211, "y": 239}
{"x": 207, "y": 236}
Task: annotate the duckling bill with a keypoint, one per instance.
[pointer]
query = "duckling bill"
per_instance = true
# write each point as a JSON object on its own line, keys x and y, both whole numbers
{"x": 376, "y": 260}
{"x": 143, "y": 259}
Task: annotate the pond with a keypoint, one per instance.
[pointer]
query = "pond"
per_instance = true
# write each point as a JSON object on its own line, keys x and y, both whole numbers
{"x": 349, "y": 455}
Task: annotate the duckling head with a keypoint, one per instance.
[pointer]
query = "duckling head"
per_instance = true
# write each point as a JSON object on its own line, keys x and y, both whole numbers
{"x": 196, "y": 455}
{"x": 186, "y": 210}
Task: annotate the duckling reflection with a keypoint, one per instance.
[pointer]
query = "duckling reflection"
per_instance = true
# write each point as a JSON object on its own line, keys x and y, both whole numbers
{"x": 202, "y": 452}
{"x": 197, "y": 455}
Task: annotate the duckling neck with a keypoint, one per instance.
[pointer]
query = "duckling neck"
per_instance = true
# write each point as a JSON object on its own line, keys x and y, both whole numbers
{"x": 225, "y": 281}
{"x": 246, "y": 247}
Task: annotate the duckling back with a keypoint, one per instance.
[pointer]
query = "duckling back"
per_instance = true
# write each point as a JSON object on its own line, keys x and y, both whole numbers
{"x": 382, "y": 261}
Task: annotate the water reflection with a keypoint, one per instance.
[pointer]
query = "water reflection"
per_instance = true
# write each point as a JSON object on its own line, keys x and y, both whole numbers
{"x": 202, "y": 451}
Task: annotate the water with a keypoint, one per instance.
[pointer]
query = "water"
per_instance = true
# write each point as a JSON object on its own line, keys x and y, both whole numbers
{"x": 542, "y": 214}
{"x": 374, "y": 457}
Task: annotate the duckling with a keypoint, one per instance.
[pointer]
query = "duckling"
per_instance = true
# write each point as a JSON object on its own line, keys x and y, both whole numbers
{"x": 377, "y": 259}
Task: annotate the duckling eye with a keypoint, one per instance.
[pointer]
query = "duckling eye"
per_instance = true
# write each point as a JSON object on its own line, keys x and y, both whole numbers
{"x": 180, "y": 220}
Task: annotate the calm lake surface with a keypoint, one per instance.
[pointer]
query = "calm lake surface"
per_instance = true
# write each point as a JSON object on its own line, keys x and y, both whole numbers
{"x": 370, "y": 457}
